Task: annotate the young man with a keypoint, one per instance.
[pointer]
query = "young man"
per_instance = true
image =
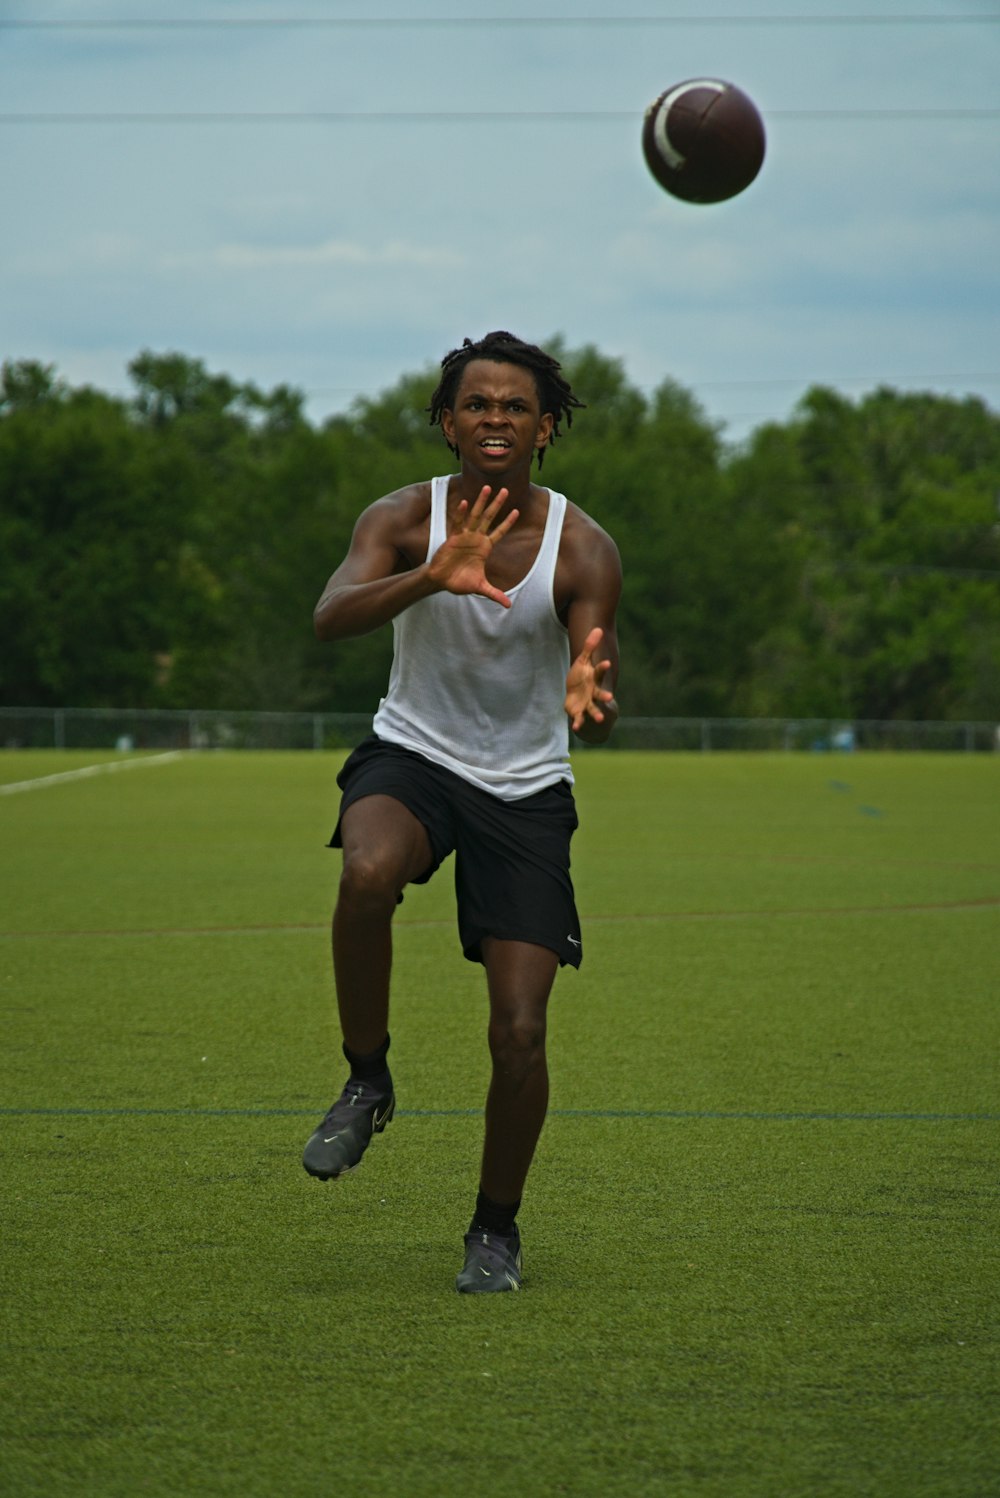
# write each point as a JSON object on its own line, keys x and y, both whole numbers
{"x": 502, "y": 597}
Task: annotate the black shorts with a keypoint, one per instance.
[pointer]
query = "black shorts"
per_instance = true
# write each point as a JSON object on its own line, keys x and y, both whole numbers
{"x": 511, "y": 857}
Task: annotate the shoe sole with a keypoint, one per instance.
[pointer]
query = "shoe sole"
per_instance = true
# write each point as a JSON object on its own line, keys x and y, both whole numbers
{"x": 318, "y": 1175}
{"x": 511, "y": 1284}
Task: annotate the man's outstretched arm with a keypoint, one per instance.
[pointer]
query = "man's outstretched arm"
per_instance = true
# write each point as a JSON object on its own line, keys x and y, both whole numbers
{"x": 593, "y": 641}
{"x": 372, "y": 585}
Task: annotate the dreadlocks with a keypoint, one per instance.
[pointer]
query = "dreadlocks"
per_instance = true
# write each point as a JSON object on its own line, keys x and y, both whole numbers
{"x": 554, "y": 393}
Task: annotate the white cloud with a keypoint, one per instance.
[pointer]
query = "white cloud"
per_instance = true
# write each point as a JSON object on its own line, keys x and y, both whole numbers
{"x": 392, "y": 253}
{"x": 336, "y": 256}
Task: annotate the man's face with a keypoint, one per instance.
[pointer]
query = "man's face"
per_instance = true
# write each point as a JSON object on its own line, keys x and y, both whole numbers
{"x": 497, "y": 421}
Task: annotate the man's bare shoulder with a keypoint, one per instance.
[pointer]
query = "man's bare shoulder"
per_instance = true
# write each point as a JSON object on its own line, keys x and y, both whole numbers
{"x": 399, "y": 520}
{"x": 405, "y": 506}
{"x": 582, "y": 535}
{"x": 589, "y": 565}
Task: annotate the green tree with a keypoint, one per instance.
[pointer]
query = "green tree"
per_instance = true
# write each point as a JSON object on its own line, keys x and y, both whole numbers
{"x": 169, "y": 549}
{"x": 896, "y": 610}
{"x": 84, "y": 606}
{"x": 255, "y": 476}
{"x": 651, "y": 471}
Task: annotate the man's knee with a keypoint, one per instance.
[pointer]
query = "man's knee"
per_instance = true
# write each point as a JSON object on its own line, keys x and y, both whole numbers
{"x": 385, "y": 847}
{"x": 369, "y": 885}
{"x": 517, "y": 1043}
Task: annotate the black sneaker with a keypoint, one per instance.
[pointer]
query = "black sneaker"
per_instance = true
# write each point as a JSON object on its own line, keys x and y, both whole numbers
{"x": 337, "y": 1145}
{"x": 492, "y": 1262}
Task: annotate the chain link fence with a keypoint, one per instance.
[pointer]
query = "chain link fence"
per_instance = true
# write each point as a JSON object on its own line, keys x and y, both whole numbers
{"x": 112, "y": 728}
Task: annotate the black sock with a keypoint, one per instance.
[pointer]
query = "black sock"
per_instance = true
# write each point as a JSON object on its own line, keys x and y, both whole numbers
{"x": 493, "y": 1217}
{"x": 371, "y": 1068}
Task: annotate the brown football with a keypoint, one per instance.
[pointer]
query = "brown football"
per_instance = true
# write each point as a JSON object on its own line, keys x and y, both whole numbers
{"x": 703, "y": 140}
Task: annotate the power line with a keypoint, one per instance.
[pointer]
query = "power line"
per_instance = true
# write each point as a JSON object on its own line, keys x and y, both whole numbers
{"x": 371, "y": 23}
{"x": 442, "y": 116}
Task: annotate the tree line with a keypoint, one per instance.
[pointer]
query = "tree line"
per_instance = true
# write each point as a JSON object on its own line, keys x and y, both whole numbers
{"x": 166, "y": 549}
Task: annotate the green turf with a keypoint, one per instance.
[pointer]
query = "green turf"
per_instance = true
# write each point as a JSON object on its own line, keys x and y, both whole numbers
{"x": 761, "y": 1234}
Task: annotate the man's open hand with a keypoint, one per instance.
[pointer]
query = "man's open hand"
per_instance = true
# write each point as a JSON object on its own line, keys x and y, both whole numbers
{"x": 585, "y": 693}
{"x": 459, "y": 564}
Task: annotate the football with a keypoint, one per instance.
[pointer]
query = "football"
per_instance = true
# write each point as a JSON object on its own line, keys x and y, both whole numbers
{"x": 703, "y": 140}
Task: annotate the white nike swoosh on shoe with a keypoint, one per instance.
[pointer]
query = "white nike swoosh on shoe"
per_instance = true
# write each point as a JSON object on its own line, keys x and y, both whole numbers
{"x": 488, "y": 1272}
{"x": 378, "y": 1122}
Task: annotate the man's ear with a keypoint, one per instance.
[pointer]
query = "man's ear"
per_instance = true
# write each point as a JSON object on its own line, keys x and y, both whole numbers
{"x": 544, "y": 432}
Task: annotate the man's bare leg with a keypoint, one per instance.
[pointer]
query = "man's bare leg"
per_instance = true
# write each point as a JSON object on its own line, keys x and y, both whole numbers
{"x": 385, "y": 846}
{"x": 520, "y": 977}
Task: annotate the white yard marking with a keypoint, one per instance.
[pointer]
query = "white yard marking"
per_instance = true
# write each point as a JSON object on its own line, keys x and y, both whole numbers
{"x": 86, "y": 771}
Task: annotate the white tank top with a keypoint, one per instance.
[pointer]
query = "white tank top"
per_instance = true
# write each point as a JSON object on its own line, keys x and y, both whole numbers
{"x": 479, "y": 688}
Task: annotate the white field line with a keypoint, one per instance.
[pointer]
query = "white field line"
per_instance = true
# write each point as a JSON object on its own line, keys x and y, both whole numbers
{"x": 85, "y": 771}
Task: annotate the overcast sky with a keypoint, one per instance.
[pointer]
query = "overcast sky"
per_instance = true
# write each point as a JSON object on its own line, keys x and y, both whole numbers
{"x": 153, "y": 197}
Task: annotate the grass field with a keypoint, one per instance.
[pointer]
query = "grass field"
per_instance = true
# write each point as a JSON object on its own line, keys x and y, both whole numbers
{"x": 762, "y": 1237}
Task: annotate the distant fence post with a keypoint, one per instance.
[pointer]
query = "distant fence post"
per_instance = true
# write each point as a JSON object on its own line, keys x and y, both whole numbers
{"x": 202, "y": 728}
